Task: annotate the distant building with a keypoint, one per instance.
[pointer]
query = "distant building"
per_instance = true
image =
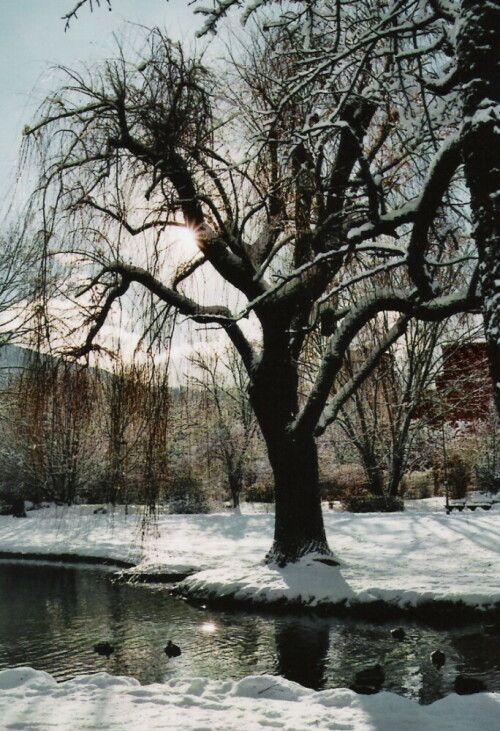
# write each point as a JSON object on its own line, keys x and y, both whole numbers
{"x": 464, "y": 387}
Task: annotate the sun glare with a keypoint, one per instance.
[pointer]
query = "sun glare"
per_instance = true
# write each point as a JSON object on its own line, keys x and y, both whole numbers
{"x": 208, "y": 627}
{"x": 186, "y": 239}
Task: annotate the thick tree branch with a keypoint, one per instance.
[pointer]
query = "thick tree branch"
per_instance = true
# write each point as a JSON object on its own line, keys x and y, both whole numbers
{"x": 403, "y": 302}
{"x": 442, "y": 86}
{"x": 445, "y": 9}
{"x": 184, "y": 305}
{"x": 355, "y": 119}
{"x": 186, "y": 270}
{"x": 341, "y": 397}
{"x": 171, "y": 164}
{"x": 434, "y": 187}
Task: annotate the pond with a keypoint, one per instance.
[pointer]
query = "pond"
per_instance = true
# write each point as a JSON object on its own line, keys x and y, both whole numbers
{"x": 51, "y": 617}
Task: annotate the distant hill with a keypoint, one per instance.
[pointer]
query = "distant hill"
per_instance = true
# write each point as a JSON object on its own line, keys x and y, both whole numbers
{"x": 14, "y": 358}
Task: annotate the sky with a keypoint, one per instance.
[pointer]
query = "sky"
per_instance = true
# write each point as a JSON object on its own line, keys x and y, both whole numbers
{"x": 33, "y": 42}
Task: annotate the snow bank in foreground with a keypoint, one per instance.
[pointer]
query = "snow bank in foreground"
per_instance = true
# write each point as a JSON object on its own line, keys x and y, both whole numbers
{"x": 33, "y": 699}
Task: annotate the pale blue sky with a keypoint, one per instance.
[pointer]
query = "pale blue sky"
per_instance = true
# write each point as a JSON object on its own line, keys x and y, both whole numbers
{"x": 32, "y": 41}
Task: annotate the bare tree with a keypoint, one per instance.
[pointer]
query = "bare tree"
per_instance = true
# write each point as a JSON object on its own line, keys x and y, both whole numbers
{"x": 48, "y": 434}
{"x": 224, "y": 383}
{"x": 17, "y": 283}
{"x": 70, "y": 431}
{"x": 385, "y": 416}
{"x": 334, "y": 164}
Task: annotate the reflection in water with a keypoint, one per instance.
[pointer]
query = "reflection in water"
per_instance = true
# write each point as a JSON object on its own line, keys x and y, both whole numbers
{"x": 302, "y": 648}
{"x": 51, "y": 617}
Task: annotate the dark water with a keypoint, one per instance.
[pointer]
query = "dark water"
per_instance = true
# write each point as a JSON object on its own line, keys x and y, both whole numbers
{"x": 52, "y": 616}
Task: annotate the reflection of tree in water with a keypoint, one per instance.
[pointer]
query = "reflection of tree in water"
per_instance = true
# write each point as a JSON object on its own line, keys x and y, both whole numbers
{"x": 302, "y": 650}
{"x": 408, "y": 669}
{"x": 354, "y": 647}
{"x": 51, "y": 617}
{"x": 38, "y": 605}
{"x": 140, "y": 622}
{"x": 253, "y": 641}
{"x": 54, "y": 588}
{"x": 477, "y": 652}
{"x": 471, "y": 651}
{"x": 433, "y": 683}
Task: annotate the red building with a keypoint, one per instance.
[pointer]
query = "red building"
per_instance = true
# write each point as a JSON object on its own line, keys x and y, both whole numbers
{"x": 464, "y": 389}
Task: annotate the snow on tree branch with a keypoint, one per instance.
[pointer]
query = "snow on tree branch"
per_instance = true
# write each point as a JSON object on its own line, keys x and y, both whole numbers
{"x": 73, "y": 13}
{"x": 405, "y": 302}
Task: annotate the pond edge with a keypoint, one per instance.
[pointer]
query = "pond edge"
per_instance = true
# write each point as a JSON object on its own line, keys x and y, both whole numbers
{"x": 436, "y": 612}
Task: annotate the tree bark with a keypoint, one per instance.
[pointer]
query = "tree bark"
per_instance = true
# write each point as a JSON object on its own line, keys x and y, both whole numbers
{"x": 299, "y": 526}
{"x": 479, "y": 66}
{"x": 374, "y": 474}
{"x": 235, "y": 480}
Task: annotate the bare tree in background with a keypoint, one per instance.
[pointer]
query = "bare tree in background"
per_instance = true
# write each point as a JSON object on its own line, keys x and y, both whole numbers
{"x": 224, "y": 383}
{"x": 386, "y": 414}
{"x": 49, "y": 437}
{"x": 18, "y": 269}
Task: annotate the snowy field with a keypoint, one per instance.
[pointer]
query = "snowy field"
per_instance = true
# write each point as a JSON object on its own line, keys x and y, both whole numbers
{"x": 406, "y": 558}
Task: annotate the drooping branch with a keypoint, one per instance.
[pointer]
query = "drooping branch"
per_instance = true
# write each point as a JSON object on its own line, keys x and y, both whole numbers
{"x": 99, "y": 319}
{"x": 78, "y": 112}
{"x": 122, "y": 220}
{"x": 128, "y": 274}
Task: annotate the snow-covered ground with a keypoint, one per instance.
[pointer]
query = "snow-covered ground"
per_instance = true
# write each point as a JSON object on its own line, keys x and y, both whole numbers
{"x": 404, "y": 558}
{"x": 32, "y": 700}
{"x": 408, "y": 558}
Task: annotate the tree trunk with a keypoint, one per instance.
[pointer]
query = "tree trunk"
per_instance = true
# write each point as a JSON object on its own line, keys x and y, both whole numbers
{"x": 235, "y": 480}
{"x": 396, "y": 475}
{"x": 299, "y": 527}
{"x": 479, "y": 65}
{"x": 374, "y": 474}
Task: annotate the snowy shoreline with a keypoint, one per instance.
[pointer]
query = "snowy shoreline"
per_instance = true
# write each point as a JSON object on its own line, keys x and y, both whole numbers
{"x": 409, "y": 560}
{"x": 422, "y": 562}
